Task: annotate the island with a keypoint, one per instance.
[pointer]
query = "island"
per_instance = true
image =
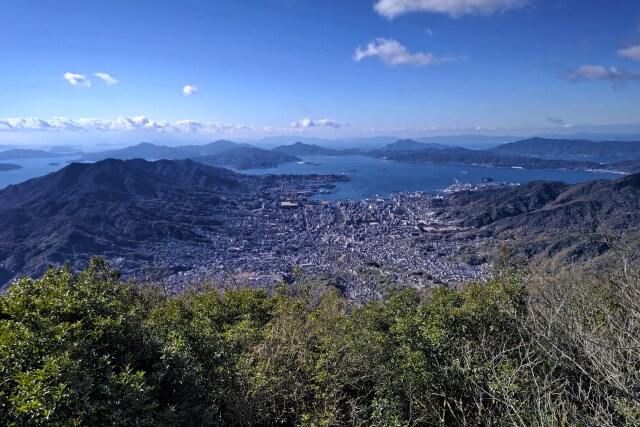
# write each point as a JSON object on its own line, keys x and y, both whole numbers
{"x": 9, "y": 167}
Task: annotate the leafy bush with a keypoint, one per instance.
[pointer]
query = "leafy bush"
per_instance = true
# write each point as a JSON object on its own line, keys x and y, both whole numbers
{"x": 89, "y": 349}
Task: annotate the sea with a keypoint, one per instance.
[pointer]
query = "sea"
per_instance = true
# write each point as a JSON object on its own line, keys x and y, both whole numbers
{"x": 368, "y": 177}
{"x": 32, "y": 168}
{"x": 371, "y": 177}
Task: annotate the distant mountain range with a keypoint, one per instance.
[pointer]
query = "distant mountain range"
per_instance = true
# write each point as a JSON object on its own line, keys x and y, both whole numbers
{"x": 464, "y": 156}
{"x": 533, "y": 153}
{"x": 571, "y": 147}
{"x": 241, "y": 158}
{"x": 362, "y": 143}
{"x": 475, "y": 141}
{"x": 19, "y": 153}
{"x": 150, "y": 151}
{"x": 9, "y": 166}
{"x": 301, "y": 149}
{"x": 411, "y": 145}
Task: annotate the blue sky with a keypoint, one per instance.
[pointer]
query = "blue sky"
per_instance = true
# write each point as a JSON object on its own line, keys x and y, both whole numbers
{"x": 326, "y": 68}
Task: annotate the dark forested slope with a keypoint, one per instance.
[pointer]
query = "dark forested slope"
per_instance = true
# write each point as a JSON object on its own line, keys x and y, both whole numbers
{"x": 106, "y": 208}
{"x": 551, "y": 218}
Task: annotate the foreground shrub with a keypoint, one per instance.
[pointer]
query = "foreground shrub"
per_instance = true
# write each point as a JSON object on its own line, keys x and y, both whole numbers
{"x": 88, "y": 349}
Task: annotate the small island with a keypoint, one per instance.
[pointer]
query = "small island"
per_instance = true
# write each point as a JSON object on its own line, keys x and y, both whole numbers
{"x": 9, "y": 167}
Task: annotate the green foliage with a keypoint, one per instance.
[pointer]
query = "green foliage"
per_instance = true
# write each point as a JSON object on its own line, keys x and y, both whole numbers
{"x": 88, "y": 349}
{"x": 71, "y": 351}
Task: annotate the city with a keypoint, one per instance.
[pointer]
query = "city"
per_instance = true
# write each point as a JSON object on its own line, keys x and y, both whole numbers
{"x": 360, "y": 244}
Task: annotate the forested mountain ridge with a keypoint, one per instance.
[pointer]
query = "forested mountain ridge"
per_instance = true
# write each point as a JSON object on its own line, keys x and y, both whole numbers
{"x": 464, "y": 156}
{"x": 552, "y": 220}
{"x": 108, "y": 207}
{"x": 570, "y": 147}
{"x": 241, "y": 158}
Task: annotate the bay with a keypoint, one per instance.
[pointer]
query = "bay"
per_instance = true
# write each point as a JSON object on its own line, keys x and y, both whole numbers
{"x": 368, "y": 176}
{"x": 32, "y": 168}
{"x": 371, "y": 177}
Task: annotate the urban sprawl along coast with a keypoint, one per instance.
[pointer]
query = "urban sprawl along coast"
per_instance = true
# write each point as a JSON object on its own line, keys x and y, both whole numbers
{"x": 358, "y": 245}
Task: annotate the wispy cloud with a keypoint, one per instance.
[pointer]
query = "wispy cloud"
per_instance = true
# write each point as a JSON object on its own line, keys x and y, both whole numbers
{"x": 189, "y": 90}
{"x": 77, "y": 79}
{"x": 616, "y": 75}
{"x": 391, "y": 52}
{"x": 122, "y": 123}
{"x": 559, "y": 121}
{"x": 142, "y": 123}
{"x": 106, "y": 78}
{"x": 429, "y": 31}
{"x": 307, "y": 123}
{"x": 453, "y": 8}
{"x": 632, "y": 52}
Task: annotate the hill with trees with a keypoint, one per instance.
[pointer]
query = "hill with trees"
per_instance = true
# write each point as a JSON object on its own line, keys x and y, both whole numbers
{"x": 551, "y": 220}
{"x": 108, "y": 207}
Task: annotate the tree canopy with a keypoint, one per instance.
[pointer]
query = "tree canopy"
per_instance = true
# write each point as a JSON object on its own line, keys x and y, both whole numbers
{"x": 86, "y": 348}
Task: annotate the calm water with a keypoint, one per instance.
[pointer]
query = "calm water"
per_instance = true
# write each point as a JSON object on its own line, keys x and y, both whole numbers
{"x": 370, "y": 177}
{"x": 31, "y": 168}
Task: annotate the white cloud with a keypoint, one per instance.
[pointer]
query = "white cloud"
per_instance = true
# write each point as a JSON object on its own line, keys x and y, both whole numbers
{"x": 453, "y": 8}
{"x": 143, "y": 123}
{"x": 189, "y": 90}
{"x": 25, "y": 123}
{"x": 632, "y": 52}
{"x": 77, "y": 79}
{"x": 106, "y": 78}
{"x": 560, "y": 122}
{"x": 429, "y": 31}
{"x": 600, "y": 72}
{"x": 308, "y": 123}
{"x": 120, "y": 124}
{"x": 391, "y": 52}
